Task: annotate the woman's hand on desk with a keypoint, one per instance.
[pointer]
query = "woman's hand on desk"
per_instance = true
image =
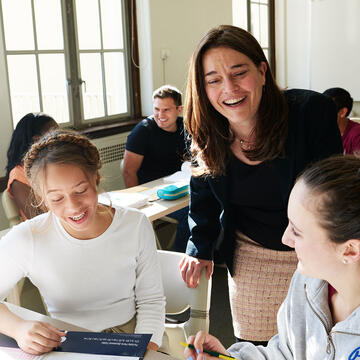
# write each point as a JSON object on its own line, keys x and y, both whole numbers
{"x": 36, "y": 337}
{"x": 191, "y": 267}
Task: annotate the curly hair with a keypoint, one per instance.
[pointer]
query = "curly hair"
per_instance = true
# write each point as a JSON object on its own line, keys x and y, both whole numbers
{"x": 62, "y": 146}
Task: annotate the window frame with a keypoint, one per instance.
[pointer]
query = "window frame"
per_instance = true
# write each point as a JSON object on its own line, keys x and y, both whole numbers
{"x": 271, "y": 30}
{"x": 72, "y": 68}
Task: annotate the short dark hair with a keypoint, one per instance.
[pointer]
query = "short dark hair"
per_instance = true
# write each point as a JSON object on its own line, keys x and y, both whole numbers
{"x": 337, "y": 181}
{"x": 341, "y": 97}
{"x": 168, "y": 91}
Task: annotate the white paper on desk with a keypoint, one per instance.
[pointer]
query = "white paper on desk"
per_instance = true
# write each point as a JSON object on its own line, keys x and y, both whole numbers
{"x": 7, "y": 353}
{"x": 18, "y": 354}
{"x": 78, "y": 356}
{"x": 183, "y": 175}
{"x": 134, "y": 200}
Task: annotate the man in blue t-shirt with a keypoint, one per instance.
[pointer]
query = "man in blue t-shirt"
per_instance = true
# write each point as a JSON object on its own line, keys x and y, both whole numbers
{"x": 156, "y": 148}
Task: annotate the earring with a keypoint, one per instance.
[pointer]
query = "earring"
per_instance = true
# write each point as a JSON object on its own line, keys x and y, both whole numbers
{"x": 345, "y": 261}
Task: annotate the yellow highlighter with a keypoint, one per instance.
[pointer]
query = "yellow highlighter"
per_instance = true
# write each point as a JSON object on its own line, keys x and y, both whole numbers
{"x": 212, "y": 353}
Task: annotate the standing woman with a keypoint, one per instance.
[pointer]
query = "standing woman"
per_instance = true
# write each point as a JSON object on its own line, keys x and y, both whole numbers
{"x": 250, "y": 140}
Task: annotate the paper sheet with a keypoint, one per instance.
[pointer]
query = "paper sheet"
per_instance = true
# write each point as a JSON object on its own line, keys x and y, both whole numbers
{"x": 134, "y": 200}
{"x": 77, "y": 356}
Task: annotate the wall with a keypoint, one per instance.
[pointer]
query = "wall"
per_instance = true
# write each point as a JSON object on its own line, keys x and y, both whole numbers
{"x": 5, "y": 120}
{"x": 176, "y": 26}
{"x": 294, "y": 41}
{"x": 335, "y": 45}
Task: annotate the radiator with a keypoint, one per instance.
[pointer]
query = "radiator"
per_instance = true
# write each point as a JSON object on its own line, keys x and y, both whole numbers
{"x": 111, "y": 150}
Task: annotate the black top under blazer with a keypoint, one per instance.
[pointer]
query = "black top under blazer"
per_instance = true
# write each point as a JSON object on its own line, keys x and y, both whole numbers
{"x": 313, "y": 135}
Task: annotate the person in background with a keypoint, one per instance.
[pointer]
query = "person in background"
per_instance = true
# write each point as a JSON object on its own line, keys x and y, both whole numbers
{"x": 250, "y": 141}
{"x": 27, "y": 131}
{"x": 156, "y": 148}
{"x": 320, "y": 316}
{"x": 350, "y": 130}
{"x": 95, "y": 266}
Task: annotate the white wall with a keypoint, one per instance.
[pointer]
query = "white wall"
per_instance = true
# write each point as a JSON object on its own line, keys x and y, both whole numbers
{"x": 294, "y": 59}
{"x": 292, "y": 43}
{"x": 176, "y": 26}
{"x": 6, "y": 126}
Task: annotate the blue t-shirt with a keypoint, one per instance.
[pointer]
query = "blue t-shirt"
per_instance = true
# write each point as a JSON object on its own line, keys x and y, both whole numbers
{"x": 163, "y": 151}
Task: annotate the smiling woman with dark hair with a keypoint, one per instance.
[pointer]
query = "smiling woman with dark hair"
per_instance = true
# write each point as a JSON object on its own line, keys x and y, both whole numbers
{"x": 249, "y": 140}
{"x": 27, "y": 131}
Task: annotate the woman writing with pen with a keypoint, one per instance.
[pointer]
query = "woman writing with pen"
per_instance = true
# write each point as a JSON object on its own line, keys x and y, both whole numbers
{"x": 320, "y": 316}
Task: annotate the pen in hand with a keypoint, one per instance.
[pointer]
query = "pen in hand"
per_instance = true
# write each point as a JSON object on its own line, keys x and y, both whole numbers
{"x": 212, "y": 353}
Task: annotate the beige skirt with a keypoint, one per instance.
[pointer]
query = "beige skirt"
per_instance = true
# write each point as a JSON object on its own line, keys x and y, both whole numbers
{"x": 258, "y": 287}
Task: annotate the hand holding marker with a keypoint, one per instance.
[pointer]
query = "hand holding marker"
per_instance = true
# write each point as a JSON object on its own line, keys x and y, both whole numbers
{"x": 212, "y": 353}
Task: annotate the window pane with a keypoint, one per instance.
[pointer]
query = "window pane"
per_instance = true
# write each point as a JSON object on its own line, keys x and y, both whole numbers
{"x": 53, "y": 86}
{"x": 266, "y": 52}
{"x": 87, "y": 14}
{"x": 111, "y": 21}
{"x": 23, "y": 85}
{"x": 116, "y": 97}
{"x": 255, "y": 21}
{"x": 92, "y": 89}
{"x": 18, "y": 24}
{"x": 48, "y": 24}
{"x": 264, "y": 26}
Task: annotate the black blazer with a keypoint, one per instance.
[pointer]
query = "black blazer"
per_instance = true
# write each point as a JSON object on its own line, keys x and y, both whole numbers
{"x": 313, "y": 135}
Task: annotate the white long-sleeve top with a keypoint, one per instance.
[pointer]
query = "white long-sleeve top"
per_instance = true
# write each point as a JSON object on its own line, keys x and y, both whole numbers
{"x": 96, "y": 283}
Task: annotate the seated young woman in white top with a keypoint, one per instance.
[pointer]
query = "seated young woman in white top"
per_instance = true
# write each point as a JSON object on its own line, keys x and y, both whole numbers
{"x": 95, "y": 266}
{"x": 320, "y": 317}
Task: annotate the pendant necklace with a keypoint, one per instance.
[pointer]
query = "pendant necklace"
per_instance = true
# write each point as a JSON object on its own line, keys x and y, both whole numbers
{"x": 246, "y": 145}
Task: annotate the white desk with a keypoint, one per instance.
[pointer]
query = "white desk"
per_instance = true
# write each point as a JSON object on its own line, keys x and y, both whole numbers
{"x": 158, "y": 208}
{"x": 32, "y": 315}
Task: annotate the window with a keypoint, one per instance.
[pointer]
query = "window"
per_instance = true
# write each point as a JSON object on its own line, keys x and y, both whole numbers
{"x": 261, "y": 24}
{"x": 257, "y": 16}
{"x": 68, "y": 58}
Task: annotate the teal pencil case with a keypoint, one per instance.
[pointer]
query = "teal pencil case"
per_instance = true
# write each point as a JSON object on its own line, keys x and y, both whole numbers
{"x": 173, "y": 192}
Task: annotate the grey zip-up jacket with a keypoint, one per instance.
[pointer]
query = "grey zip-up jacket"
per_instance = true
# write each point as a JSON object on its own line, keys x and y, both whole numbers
{"x": 305, "y": 327}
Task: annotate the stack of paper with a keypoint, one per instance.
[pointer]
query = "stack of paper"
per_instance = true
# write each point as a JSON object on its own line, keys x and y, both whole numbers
{"x": 124, "y": 199}
{"x": 183, "y": 175}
